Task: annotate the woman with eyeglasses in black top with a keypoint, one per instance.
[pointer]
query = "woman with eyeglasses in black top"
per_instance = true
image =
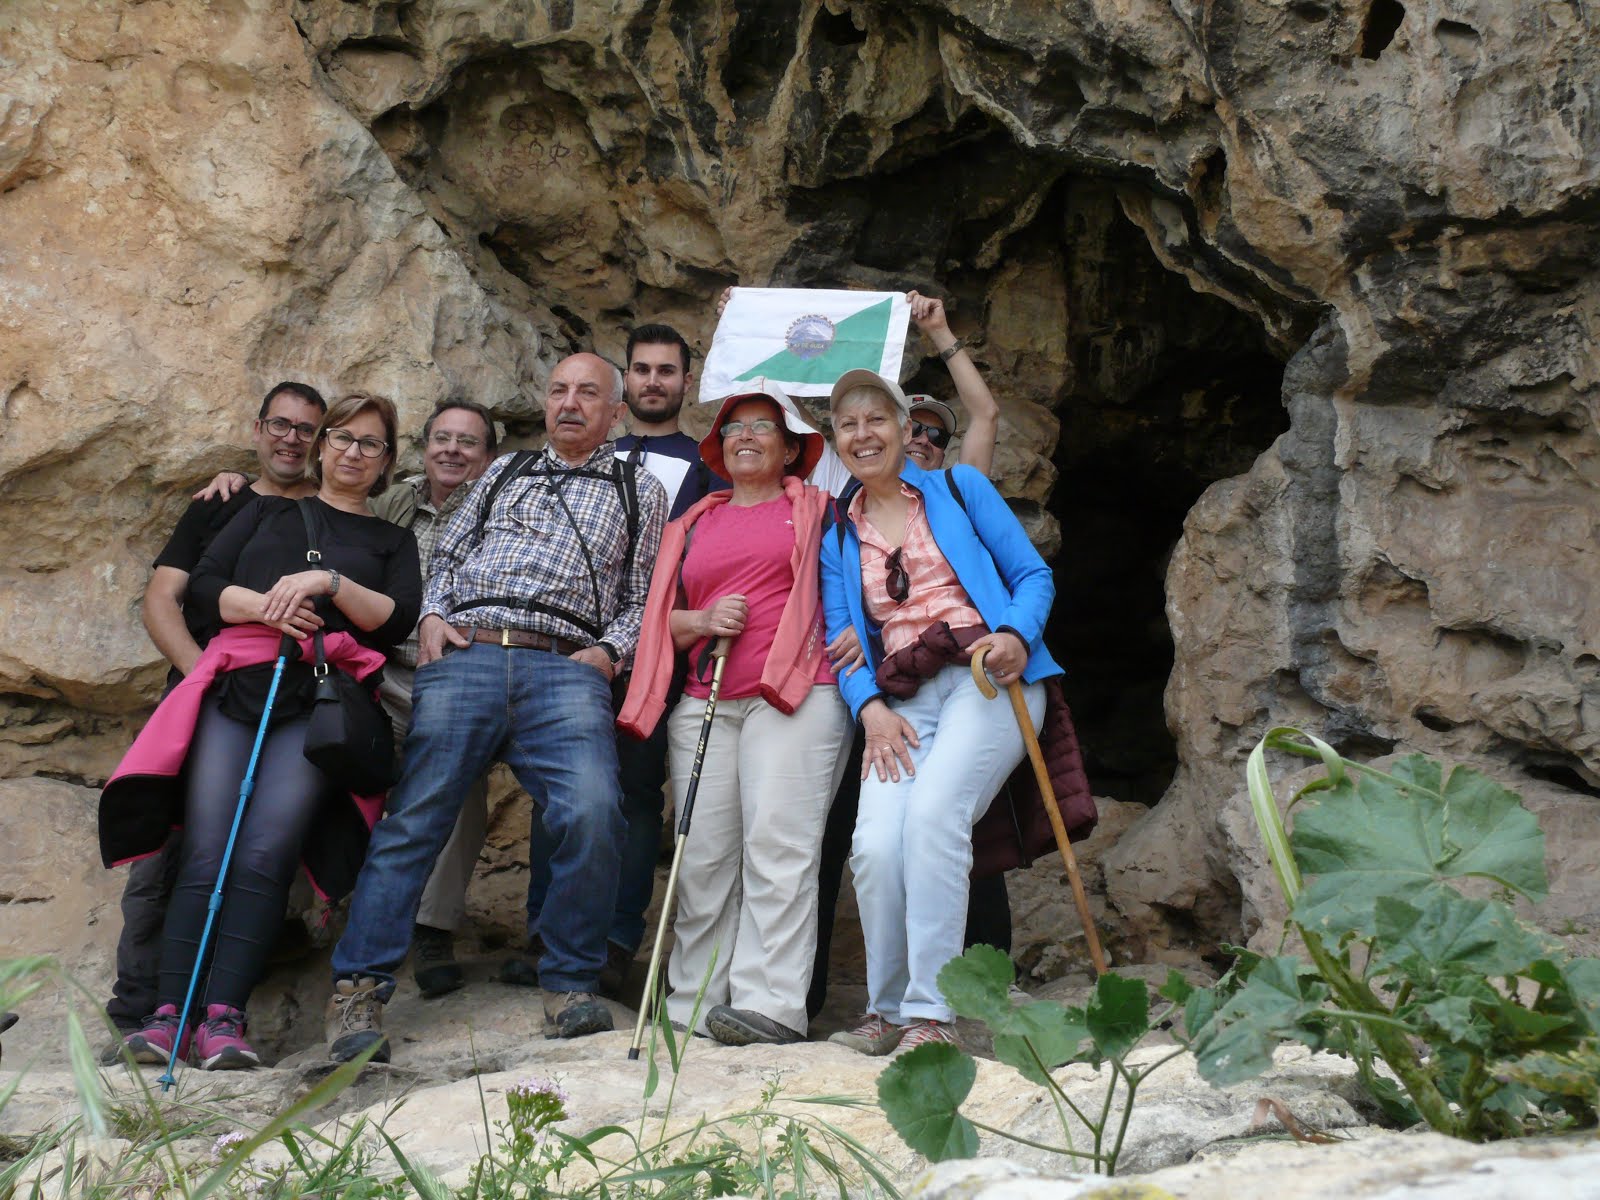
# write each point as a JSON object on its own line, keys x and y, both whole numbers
{"x": 255, "y": 585}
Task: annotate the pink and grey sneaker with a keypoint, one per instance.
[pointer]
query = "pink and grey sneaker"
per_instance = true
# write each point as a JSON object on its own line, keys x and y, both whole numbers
{"x": 924, "y": 1031}
{"x": 873, "y": 1036}
{"x": 152, "y": 1042}
{"x": 219, "y": 1043}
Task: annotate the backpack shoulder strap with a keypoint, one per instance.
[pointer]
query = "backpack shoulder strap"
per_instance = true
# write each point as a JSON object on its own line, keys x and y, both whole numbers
{"x": 625, "y": 474}
{"x": 955, "y": 488}
{"x": 519, "y": 464}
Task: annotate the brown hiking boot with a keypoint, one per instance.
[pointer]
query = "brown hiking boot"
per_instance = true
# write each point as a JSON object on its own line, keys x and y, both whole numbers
{"x": 354, "y": 1020}
{"x": 574, "y": 1014}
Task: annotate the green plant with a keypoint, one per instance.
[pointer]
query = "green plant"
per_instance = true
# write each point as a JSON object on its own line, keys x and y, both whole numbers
{"x": 762, "y": 1151}
{"x": 922, "y": 1091}
{"x": 1487, "y": 1027}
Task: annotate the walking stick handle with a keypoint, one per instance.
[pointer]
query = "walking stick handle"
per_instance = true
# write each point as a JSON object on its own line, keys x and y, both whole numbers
{"x": 1030, "y": 739}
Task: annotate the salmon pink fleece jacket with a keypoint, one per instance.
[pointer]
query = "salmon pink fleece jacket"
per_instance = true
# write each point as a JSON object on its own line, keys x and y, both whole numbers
{"x": 791, "y": 666}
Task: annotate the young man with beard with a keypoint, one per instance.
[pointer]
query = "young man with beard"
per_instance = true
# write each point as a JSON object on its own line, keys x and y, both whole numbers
{"x": 282, "y": 437}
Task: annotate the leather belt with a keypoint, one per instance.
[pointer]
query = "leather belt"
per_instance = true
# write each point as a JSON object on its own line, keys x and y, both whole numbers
{"x": 521, "y": 639}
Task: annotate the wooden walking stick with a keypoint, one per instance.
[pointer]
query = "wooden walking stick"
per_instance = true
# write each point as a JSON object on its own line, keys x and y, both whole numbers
{"x": 1019, "y": 705}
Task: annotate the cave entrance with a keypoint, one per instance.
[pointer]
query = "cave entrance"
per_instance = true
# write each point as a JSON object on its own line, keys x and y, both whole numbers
{"x": 1170, "y": 391}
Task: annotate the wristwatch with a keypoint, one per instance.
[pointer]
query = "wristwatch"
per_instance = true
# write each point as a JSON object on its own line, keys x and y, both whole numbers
{"x": 333, "y": 582}
{"x": 611, "y": 652}
{"x": 952, "y": 349}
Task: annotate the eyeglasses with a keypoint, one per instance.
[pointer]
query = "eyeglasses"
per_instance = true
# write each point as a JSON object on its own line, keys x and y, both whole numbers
{"x": 897, "y": 581}
{"x": 761, "y": 426}
{"x": 341, "y": 440}
{"x": 282, "y": 427}
{"x": 937, "y": 435}
{"x": 443, "y": 438}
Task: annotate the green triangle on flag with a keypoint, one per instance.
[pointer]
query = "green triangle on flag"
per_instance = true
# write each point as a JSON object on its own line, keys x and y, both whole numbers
{"x": 858, "y": 341}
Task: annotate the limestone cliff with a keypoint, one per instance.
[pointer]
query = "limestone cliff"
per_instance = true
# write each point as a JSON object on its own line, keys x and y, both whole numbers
{"x": 1292, "y": 301}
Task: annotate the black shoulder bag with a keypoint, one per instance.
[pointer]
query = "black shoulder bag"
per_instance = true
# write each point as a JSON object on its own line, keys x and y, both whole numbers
{"x": 350, "y": 738}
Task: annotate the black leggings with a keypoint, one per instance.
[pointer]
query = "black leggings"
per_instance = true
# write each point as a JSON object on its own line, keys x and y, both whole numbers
{"x": 285, "y": 797}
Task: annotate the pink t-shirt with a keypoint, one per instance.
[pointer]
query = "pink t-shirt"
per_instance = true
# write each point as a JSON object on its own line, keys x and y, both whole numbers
{"x": 745, "y": 552}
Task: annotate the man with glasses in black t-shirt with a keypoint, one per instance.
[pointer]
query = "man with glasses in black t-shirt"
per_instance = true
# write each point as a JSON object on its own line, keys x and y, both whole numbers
{"x": 282, "y": 437}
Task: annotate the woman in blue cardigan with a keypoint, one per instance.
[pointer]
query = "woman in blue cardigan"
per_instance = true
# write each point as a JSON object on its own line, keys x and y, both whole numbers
{"x": 926, "y": 566}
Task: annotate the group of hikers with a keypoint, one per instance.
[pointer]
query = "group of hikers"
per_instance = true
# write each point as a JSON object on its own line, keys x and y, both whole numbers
{"x": 561, "y": 611}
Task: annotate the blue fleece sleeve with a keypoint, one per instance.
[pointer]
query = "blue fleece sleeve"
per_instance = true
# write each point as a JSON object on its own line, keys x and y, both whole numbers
{"x": 860, "y": 686}
{"x": 1027, "y": 576}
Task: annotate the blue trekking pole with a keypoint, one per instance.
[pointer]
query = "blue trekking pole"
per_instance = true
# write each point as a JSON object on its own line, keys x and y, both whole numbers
{"x": 246, "y": 786}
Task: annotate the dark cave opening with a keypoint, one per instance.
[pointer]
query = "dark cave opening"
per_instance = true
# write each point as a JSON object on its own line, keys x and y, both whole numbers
{"x": 1170, "y": 391}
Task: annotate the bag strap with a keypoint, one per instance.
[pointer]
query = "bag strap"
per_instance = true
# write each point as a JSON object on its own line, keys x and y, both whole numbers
{"x": 625, "y": 475}
{"x": 519, "y": 464}
{"x": 955, "y": 488}
{"x": 314, "y": 557}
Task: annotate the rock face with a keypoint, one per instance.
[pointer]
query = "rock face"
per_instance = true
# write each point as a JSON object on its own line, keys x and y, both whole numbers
{"x": 1292, "y": 309}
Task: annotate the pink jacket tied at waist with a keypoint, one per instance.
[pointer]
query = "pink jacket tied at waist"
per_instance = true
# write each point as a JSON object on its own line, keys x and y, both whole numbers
{"x": 791, "y": 666}
{"x": 155, "y": 760}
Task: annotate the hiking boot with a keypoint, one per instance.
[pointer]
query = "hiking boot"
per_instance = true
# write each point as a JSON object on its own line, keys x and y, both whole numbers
{"x": 746, "y": 1027}
{"x": 152, "y": 1042}
{"x": 522, "y": 970}
{"x": 922, "y": 1032}
{"x": 219, "y": 1043}
{"x": 873, "y": 1036}
{"x": 614, "y": 975}
{"x": 575, "y": 1014}
{"x": 355, "y": 1020}
{"x": 433, "y": 961}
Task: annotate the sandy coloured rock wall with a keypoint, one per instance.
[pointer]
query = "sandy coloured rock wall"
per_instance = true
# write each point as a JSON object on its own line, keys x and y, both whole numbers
{"x": 1389, "y": 212}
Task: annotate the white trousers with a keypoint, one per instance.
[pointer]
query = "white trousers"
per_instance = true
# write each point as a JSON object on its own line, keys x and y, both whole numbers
{"x": 912, "y": 849}
{"x": 748, "y": 884}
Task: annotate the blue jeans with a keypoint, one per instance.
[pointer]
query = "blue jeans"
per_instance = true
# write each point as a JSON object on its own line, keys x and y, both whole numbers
{"x": 643, "y": 768}
{"x": 547, "y": 718}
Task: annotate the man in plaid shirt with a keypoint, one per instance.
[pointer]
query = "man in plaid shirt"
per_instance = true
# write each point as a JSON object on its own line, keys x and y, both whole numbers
{"x": 529, "y": 609}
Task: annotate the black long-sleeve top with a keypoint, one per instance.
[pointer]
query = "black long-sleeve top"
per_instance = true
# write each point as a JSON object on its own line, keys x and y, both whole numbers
{"x": 266, "y": 541}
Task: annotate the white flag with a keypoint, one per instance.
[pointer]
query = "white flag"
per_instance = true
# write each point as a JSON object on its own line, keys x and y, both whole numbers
{"x": 803, "y": 339}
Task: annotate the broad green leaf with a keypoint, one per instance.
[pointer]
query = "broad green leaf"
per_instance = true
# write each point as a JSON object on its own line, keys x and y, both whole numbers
{"x": 1419, "y": 771}
{"x": 1492, "y": 834}
{"x": 1456, "y": 1018}
{"x": 1445, "y": 931}
{"x": 976, "y": 984}
{"x": 1039, "y": 1032}
{"x": 1575, "y": 1073}
{"x": 1176, "y": 988}
{"x": 1527, "y": 1029}
{"x": 1582, "y": 977}
{"x": 921, "y": 1094}
{"x": 1118, "y": 1014}
{"x": 1274, "y": 1004}
{"x": 1379, "y": 838}
{"x": 1199, "y": 1009}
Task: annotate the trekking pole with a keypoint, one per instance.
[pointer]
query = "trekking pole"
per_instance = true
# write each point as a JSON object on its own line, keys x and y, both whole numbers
{"x": 1019, "y": 705}
{"x": 719, "y": 651}
{"x": 246, "y": 786}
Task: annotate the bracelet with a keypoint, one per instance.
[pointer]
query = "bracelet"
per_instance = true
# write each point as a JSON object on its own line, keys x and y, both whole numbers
{"x": 333, "y": 582}
{"x": 952, "y": 349}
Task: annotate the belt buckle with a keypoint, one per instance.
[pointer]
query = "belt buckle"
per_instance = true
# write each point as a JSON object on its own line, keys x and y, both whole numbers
{"x": 505, "y": 638}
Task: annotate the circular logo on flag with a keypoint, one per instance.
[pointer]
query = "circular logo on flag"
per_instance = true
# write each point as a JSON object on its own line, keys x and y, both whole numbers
{"x": 809, "y": 336}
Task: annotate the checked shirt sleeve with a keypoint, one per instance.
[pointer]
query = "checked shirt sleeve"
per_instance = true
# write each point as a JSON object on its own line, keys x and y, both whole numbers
{"x": 459, "y": 539}
{"x": 622, "y": 634}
